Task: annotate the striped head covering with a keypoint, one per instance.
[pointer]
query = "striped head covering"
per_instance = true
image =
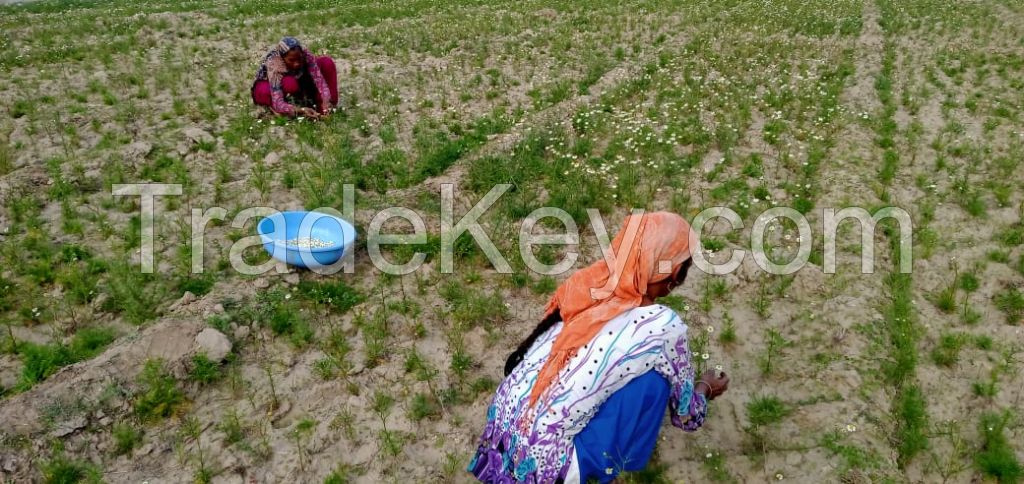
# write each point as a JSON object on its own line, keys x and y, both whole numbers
{"x": 287, "y": 44}
{"x": 273, "y": 67}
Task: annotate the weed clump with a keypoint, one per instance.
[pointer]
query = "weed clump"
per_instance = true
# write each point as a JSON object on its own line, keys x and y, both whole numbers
{"x": 337, "y": 295}
{"x": 64, "y": 470}
{"x": 41, "y": 361}
{"x": 158, "y": 396}
{"x": 766, "y": 410}
{"x": 911, "y": 435}
{"x": 1011, "y": 302}
{"x": 996, "y": 458}
{"x": 947, "y": 352}
{"x": 204, "y": 370}
{"x": 126, "y": 438}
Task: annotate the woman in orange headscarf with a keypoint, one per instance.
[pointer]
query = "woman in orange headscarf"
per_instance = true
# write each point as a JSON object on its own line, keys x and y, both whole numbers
{"x": 585, "y": 394}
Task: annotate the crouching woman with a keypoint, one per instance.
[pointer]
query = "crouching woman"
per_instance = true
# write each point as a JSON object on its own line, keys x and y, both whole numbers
{"x": 585, "y": 394}
{"x": 291, "y": 81}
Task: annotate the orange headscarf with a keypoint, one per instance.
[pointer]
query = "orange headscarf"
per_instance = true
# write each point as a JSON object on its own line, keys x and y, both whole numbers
{"x": 658, "y": 243}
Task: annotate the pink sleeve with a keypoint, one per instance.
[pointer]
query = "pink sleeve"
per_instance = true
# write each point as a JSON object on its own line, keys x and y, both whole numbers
{"x": 318, "y": 80}
{"x": 279, "y": 105}
{"x": 275, "y": 76}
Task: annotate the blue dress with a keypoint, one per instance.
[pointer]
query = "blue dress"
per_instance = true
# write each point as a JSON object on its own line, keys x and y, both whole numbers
{"x": 623, "y": 433}
{"x": 603, "y": 416}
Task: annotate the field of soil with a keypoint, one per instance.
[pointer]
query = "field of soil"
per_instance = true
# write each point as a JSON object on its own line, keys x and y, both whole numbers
{"x": 110, "y": 374}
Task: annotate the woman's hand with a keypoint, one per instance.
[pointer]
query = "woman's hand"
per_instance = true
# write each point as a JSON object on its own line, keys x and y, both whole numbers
{"x": 711, "y": 385}
{"x": 309, "y": 113}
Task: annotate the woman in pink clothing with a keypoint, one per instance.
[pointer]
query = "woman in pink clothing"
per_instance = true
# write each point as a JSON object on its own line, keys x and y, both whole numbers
{"x": 290, "y": 72}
